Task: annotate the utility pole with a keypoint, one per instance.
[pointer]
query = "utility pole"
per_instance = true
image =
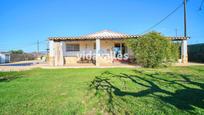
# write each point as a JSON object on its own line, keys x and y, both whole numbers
{"x": 176, "y": 32}
{"x": 184, "y": 46}
{"x": 185, "y": 31}
{"x": 38, "y": 48}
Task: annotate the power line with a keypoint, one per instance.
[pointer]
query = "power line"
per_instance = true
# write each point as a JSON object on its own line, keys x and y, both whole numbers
{"x": 34, "y": 44}
{"x": 201, "y": 4}
{"x": 163, "y": 19}
{"x": 23, "y": 46}
{"x": 27, "y": 46}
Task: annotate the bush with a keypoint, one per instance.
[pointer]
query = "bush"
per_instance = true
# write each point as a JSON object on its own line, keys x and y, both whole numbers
{"x": 153, "y": 50}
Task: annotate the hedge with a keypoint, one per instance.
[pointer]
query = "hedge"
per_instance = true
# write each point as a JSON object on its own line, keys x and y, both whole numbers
{"x": 154, "y": 50}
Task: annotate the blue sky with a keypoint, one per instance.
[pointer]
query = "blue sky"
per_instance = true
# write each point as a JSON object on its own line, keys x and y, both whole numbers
{"x": 23, "y": 22}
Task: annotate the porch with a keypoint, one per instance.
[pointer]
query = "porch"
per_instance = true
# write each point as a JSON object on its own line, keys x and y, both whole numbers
{"x": 100, "y": 48}
{"x": 91, "y": 52}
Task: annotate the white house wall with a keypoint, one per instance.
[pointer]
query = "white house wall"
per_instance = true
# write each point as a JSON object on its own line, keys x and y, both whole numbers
{"x": 4, "y": 58}
{"x": 51, "y": 48}
{"x": 88, "y": 46}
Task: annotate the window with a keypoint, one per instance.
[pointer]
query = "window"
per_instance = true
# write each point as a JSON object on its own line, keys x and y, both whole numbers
{"x": 120, "y": 47}
{"x": 72, "y": 47}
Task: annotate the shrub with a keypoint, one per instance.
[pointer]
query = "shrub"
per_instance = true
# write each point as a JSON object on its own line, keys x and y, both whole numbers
{"x": 153, "y": 50}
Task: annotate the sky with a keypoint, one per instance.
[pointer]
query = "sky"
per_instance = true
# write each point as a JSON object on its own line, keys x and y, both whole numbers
{"x": 24, "y": 22}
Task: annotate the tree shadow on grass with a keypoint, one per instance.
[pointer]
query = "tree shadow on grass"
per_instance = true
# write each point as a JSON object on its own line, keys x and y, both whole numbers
{"x": 198, "y": 69}
{"x": 184, "y": 98}
{"x": 7, "y": 77}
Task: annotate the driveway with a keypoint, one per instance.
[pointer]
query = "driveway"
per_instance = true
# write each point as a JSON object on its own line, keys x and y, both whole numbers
{"x": 19, "y": 66}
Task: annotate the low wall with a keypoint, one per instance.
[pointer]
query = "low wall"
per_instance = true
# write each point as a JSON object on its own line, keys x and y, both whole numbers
{"x": 76, "y": 60}
{"x": 70, "y": 60}
{"x": 21, "y": 57}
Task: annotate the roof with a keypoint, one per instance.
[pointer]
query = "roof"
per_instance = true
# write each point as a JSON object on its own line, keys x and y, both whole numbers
{"x": 105, "y": 34}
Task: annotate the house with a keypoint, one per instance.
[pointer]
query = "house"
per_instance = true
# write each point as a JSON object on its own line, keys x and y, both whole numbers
{"x": 4, "y": 57}
{"x": 101, "y": 48}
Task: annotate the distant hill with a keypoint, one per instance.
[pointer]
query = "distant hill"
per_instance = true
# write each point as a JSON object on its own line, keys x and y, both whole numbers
{"x": 196, "y": 53}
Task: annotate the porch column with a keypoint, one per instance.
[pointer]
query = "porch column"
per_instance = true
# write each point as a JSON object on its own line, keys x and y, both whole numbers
{"x": 184, "y": 52}
{"x": 98, "y": 48}
{"x": 56, "y": 53}
{"x": 61, "y": 58}
{"x": 51, "y": 58}
{"x": 121, "y": 48}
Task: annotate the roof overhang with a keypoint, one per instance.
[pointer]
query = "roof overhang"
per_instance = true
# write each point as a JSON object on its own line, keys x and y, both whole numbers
{"x": 108, "y": 35}
{"x": 92, "y": 38}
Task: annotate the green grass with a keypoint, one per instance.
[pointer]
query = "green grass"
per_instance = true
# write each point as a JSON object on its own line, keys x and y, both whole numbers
{"x": 175, "y": 90}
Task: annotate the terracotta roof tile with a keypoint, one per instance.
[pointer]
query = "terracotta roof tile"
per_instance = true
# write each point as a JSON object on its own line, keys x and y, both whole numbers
{"x": 106, "y": 34}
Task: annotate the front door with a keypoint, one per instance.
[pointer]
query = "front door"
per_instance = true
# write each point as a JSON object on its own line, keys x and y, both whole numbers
{"x": 120, "y": 48}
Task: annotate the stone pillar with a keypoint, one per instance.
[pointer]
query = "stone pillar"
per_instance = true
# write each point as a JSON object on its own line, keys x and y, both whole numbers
{"x": 98, "y": 48}
{"x": 184, "y": 52}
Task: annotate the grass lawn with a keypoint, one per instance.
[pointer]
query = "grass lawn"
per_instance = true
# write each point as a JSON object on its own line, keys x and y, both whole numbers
{"x": 175, "y": 90}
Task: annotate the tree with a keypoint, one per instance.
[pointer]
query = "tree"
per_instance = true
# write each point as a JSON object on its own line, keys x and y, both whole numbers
{"x": 153, "y": 50}
{"x": 16, "y": 51}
